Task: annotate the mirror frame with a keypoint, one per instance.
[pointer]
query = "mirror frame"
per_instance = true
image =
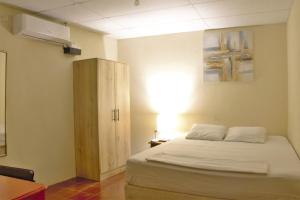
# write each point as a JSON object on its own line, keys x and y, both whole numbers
{"x": 5, "y": 52}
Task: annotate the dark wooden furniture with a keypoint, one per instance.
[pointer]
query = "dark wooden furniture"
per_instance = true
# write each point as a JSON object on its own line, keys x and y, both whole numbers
{"x": 14, "y": 172}
{"x": 154, "y": 143}
{"x": 18, "y": 189}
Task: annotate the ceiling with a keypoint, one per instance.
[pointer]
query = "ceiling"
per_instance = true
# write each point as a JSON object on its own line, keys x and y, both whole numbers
{"x": 122, "y": 19}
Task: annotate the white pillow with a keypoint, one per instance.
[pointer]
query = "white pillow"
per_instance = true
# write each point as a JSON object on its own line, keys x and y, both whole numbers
{"x": 246, "y": 134}
{"x": 206, "y": 132}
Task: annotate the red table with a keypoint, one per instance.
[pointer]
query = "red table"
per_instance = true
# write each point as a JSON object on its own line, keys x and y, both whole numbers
{"x": 18, "y": 189}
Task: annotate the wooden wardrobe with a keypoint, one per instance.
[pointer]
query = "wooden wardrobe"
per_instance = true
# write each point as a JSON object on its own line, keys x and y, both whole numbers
{"x": 101, "y": 117}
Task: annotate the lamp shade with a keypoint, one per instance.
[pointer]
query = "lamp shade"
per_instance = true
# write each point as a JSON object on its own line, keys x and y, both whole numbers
{"x": 167, "y": 125}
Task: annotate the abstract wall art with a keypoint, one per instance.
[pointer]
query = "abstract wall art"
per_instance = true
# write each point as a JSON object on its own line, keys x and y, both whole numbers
{"x": 228, "y": 56}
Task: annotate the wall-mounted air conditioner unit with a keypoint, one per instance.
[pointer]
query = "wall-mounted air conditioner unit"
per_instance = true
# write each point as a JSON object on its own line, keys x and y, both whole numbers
{"x": 34, "y": 27}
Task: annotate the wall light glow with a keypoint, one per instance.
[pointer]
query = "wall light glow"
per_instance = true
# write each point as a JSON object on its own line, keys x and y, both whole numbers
{"x": 170, "y": 92}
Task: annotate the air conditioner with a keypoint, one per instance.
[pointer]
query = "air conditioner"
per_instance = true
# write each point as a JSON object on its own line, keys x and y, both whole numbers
{"x": 34, "y": 27}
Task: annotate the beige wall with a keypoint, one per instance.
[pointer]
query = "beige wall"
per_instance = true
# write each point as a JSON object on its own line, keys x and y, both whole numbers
{"x": 293, "y": 35}
{"x": 40, "y": 100}
{"x": 262, "y": 102}
{"x": 110, "y": 48}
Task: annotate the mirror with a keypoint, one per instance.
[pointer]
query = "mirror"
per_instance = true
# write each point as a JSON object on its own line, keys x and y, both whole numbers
{"x": 3, "y": 149}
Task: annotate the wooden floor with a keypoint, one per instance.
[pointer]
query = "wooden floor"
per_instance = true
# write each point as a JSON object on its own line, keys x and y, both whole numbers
{"x": 83, "y": 189}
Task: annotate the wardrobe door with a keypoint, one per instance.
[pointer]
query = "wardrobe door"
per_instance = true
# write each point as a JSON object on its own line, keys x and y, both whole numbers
{"x": 123, "y": 113}
{"x": 106, "y": 107}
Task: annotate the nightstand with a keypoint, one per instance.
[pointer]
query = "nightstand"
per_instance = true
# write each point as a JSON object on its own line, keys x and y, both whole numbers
{"x": 154, "y": 143}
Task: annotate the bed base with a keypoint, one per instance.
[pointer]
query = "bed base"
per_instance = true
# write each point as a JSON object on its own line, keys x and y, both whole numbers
{"x": 142, "y": 193}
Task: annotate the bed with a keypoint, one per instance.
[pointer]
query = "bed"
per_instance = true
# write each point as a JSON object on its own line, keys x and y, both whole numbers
{"x": 2, "y": 139}
{"x": 147, "y": 180}
{"x": 2, "y": 136}
{"x": 2, "y": 143}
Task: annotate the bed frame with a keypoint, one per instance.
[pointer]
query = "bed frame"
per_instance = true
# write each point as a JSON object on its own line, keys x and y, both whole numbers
{"x": 142, "y": 193}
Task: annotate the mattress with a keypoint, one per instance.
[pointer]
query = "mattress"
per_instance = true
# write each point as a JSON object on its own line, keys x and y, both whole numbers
{"x": 281, "y": 182}
{"x": 2, "y": 139}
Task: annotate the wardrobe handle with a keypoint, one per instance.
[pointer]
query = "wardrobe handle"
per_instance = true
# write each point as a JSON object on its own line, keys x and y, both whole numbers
{"x": 118, "y": 111}
{"x": 114, "y": 115}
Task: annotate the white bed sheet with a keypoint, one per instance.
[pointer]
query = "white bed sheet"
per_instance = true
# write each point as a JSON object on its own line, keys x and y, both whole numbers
{"x": 282, "y": 181}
